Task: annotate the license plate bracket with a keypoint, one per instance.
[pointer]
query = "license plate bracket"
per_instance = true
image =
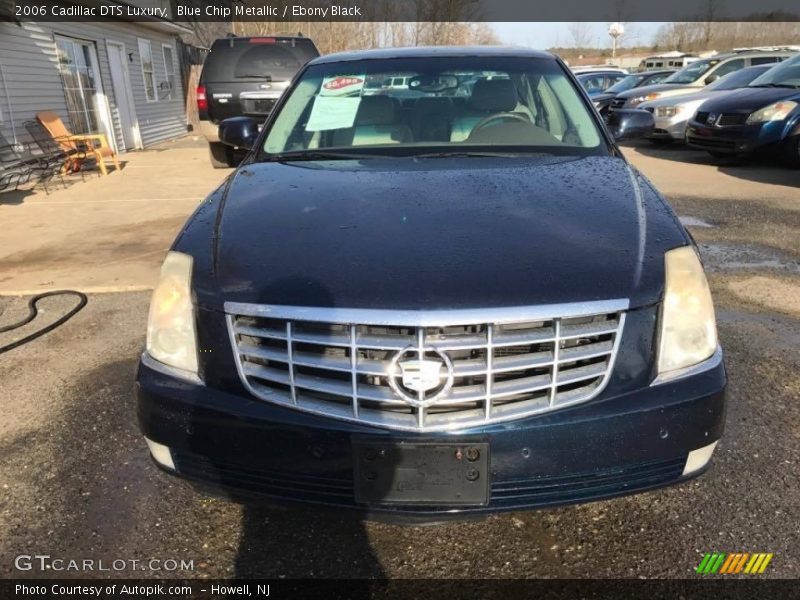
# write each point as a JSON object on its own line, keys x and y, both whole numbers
{"x": 426, "y": 473}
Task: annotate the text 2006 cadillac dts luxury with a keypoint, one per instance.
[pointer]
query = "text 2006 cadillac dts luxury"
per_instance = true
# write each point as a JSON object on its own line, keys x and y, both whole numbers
{"x": 448, "y": 296}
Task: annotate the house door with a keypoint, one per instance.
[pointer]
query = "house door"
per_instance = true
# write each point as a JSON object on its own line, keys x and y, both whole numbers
{"x": 123, "y": 95}
{"x": 83, "y": 91}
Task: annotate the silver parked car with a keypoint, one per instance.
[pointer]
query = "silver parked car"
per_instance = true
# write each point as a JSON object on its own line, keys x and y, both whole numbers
{"x": 673, "y": 112}
{"x": 701, "y": 73}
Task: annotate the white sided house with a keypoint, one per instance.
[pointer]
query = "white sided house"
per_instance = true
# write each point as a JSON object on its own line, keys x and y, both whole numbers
{"x": 115, "y": 77}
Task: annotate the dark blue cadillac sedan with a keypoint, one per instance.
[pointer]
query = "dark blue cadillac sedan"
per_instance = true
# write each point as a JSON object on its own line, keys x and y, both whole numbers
{"x": 451, "y": 296}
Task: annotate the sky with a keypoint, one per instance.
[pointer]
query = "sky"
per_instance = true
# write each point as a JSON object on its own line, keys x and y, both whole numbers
{"x": 547, "y": 35}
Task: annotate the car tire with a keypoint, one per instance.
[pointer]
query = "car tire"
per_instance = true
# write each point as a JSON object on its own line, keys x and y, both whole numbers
{"x": 791, "y": 151}
{"x": 220, "y": 155}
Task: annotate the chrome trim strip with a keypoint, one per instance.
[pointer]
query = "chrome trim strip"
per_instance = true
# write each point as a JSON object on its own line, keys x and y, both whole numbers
{"x": 489, "y": 371}
{"x": 427, "y": 318}
{"x": 290, "y": 358}
{"x": 556, "y": 352}
{"x": 711, "y": 362}
{"x": 152, "y": 363}
{"x": 353, "y": 368}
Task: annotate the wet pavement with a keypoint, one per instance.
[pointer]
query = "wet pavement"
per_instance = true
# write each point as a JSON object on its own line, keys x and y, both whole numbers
{"x": 76, "y": 480}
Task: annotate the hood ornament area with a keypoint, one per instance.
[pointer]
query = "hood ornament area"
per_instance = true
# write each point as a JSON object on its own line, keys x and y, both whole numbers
{"x": 421, "y": 376}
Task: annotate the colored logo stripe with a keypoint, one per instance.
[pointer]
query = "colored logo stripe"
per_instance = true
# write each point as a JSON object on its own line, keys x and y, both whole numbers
{"x": 728, "y": 564}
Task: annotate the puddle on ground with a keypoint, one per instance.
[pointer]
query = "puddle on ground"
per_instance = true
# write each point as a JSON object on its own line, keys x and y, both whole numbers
{"x": 722, "y": 256}
{"x": 694, "y": 222}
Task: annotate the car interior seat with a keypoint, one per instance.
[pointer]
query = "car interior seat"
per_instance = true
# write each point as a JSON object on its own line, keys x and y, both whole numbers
{"x": 376, "y": 122}
{"x": 489, "y": 97}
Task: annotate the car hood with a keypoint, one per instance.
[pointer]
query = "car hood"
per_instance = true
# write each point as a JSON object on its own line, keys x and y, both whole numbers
{"x": 434, "y": 233}
{"x": 603, "y": 96}
{"x": 748, "y": 99}
{"x": 649, "y": 89}
{"x": 696, "y": 97}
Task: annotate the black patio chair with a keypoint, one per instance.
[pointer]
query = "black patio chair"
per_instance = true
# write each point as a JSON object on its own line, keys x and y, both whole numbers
{"x": 14, "y": 169}
{"x": 41, "y": 167}
{"x": 21, "y": 165}
{"x": 59, "y": 157}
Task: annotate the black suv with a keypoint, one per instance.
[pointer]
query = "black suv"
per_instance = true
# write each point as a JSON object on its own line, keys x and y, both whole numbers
{"x": 245, "y": 76}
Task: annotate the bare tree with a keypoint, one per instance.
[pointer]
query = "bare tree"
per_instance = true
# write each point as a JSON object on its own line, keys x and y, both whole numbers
{"x": 721, "y": 36}
{"x": 581, "y": 33}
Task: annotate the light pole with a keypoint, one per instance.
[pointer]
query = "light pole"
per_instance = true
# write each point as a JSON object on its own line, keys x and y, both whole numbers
{"x": 615, "y": 30}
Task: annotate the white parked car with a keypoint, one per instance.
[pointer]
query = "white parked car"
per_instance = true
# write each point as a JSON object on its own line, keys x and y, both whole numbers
{"x": 672, "y": 114}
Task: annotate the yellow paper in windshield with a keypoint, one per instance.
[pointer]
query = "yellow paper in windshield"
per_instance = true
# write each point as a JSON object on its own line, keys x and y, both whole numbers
{"x": 337, "y": 103}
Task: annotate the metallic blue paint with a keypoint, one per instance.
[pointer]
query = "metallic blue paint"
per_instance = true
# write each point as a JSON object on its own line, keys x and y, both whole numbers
{"x": 438, "y": 233}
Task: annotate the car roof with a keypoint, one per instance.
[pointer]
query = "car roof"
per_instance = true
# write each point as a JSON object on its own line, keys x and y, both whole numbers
{"x": 245, "y": 38}
{"x": 750, "y": 54}
{"x": 593, "y": 73}
{"x": 431, "y": 52}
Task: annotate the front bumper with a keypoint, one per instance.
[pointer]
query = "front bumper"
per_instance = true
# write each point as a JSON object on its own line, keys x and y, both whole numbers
{"x": 247, "y": 449}
{"x": 742, "y": 139}
{"x": 669, "y": 128}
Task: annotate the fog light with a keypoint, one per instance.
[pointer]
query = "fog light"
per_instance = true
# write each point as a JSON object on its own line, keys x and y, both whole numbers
{"x": 163, "y": 456}
{"x": 699, "y": 458}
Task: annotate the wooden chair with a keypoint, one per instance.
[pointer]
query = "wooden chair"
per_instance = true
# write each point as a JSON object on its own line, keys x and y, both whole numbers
{"x": 95, "y": 144}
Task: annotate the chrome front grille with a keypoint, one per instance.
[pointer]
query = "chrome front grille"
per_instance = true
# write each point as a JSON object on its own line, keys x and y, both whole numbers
{"x": 433, "y": 370}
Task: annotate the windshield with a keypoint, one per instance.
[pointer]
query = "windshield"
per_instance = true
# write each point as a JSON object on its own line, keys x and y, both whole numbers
{"x": 690, "y": 73}
{"x": 785, "y": 74}
{"x": 414, "y": 106}
{"x": 630, "y": 82}
{"x": 737, "y": 79}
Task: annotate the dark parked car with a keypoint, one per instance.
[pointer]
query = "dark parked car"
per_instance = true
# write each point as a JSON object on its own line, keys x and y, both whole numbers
{"x": 672, "y": 114}
{"x": 433, "y": 306}
{"x": 764, "y": 116}
{"x": 596, "y": 82}
{"x": 245, "y": 76}
{"x": 602, "y": 100}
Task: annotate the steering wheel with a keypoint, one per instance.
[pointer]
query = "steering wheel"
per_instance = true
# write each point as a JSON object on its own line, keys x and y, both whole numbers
{"x": 502, "y": 116}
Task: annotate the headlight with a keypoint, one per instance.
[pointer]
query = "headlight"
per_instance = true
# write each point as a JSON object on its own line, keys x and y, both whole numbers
{"x": 668, "y": 111}
{"x": 637, "y": 100}
{"x": 773, "y": 112}
{"x": 171, "y": 337}
{"x": 688, "y": 328}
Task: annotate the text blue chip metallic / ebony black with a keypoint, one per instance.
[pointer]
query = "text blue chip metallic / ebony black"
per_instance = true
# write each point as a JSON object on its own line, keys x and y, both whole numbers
{"x": 433, "y": 287}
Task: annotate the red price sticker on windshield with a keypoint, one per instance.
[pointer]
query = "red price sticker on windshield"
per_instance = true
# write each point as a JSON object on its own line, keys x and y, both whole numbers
{"x": 342, "y": 85}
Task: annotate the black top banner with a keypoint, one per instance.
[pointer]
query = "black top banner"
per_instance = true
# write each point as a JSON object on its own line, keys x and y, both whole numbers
{"x": 401, "y": 10}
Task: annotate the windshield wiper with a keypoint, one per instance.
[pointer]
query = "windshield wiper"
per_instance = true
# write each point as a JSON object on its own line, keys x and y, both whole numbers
{"x": 473, "y": 154}
{"x": 266, "y": 76}
{"x": 314, "y": 155}
{"x": 776, "y": 85}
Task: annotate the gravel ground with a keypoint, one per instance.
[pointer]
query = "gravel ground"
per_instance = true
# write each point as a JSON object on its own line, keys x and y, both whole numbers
{"x": 76, "y": 481}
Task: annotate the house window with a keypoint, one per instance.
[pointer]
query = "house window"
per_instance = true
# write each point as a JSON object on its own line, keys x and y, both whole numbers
{"x": 76, "y": 67}
{"x": 168, "y": 86}
{"x": 146, "y": 58}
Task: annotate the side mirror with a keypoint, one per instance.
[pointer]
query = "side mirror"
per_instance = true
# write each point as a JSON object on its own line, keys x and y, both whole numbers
{"x": 627, "y": 123}
{"x": 711, "y": 79}
{"x": 239, "y": 132}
